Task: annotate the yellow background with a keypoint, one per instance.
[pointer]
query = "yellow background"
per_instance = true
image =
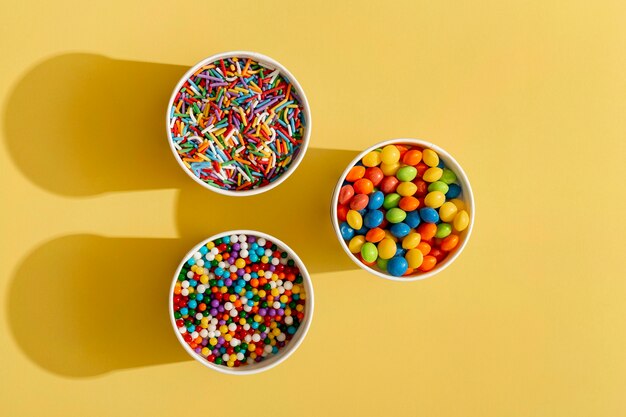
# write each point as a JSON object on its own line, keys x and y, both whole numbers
{"x": 529, "y": 96}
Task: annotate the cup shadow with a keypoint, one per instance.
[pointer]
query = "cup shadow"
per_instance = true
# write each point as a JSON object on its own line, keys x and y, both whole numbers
{"x": 102, "y": 302}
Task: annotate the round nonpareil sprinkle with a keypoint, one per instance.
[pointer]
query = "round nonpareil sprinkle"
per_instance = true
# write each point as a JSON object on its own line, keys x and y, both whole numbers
{"x": 238, "y": 300}
{"x": 237, "y": 124}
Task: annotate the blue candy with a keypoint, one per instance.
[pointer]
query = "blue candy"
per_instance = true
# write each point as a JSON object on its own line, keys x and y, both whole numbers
{"x": 373, "y": 218}
{"x": 400, "y": 229}
{"x": 376, "y": 200}
{"x": 362, "y": 231}
{"x": 347, "y": 232}
{"x": 429, "y": 215}
{"x": 454, "y": 190}
{"x": 397, "y": 266}
{"x": 400, "y": 251}
{"x": 412, "y": 219}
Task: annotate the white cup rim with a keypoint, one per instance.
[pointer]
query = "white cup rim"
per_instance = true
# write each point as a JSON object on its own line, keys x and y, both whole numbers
{"x": 305, "y": 107}
{"x": 286, "y": 351}
{"x": 468, "y": 199}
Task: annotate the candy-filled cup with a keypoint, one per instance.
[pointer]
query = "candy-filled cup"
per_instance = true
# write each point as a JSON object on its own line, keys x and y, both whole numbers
{"x": 277, "y": 317}
{"x": 372, "y": 218}
{"x": 234, "y": 134}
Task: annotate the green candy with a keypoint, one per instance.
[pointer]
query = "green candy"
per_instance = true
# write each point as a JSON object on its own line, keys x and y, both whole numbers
{"x": 406, "y": 173}
{"x": 391, "y": 200}
{"x": 448, "y": 176}
{"x": 438, "y": 186}
{"x": 443, "y": 230}
{"x": 395, "y": 215}
{"x": 382, "y": 263}
{"x": 369, "y": 252}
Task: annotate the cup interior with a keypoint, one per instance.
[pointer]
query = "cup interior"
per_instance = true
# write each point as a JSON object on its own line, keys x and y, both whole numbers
{"x": 467, "y": 196}
{"x": 284, "y": 352}
{"x": 268, "y": 62}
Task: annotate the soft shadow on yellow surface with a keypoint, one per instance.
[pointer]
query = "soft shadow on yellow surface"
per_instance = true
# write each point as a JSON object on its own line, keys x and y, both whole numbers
{"x": 81, "y": 124}
{"x": 103, "y": 301}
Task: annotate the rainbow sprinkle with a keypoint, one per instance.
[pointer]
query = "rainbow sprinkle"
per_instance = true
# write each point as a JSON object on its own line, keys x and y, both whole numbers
{"x": 237, "y": 124}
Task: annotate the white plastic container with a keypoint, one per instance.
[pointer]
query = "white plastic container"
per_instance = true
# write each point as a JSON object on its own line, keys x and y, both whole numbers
{"x": 266, "y": 61}
{"x": 467, "y": 196}
{"x": 283, "y": 353}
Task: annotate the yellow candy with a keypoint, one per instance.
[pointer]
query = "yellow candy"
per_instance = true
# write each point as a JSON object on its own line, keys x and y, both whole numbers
{"x": 275, "y": 292}
{"x": 204, "y": 279}
{"x": 210, "y": 245}
{"x": 411, "y": 240}
{"x": 432, "y": 174}
{"x": 371, "y": 159}
{"x": 406, "y": 189}
{"x": 295, "y": 289}
{"x": 460, "y": 205}
{"x": 447, "y": 211}
{"x": 251, "y": 347}
{"x": 213, "y": 341}
{"x": 414, "y": 257}
{"x": 261, "y": 293}
{"x": 388, "y": 235}
{"x": 434, "y": 199}
{"x": 299, "y": 307}
{"x": 230, "y": 364}
{"x": 284, "y": 298}
{"x": 276, "y": 331}
{"x": 218, "y": 257}
{"x": 390, "y": 169}
{"x": 356, "y": 243}
{"x": 354, "y": 219}
{"x": 461, "y": 221}
{"x": 205, "y": 351}
{"x": 265, "y": 259}
{"x": 240, "y": 263}
{"x": 386, "y": 248}
{"x": 227, "y": 337}
{"x": 430, "y": 158}
{"x": 390, "y": 154}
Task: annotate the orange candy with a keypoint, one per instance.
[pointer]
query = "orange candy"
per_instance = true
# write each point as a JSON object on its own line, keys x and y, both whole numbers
{"x": 424, "y": 248}
{"x": 342, "y": 212}
{"x": 409, "y": 203}
{"x": 375, "y": 235}
{"x": 428, "y": 263}
{"x": 363, "y": 186}
{"x": 427, "y": 230}
{"x": 449, "y": 242}
{"x": 355, "y": 173}
{"x": 412, "y": 157}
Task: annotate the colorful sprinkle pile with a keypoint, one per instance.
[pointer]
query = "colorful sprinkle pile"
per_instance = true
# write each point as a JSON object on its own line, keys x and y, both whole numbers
{"x": 237, "y": 124}
{"x": 399, "y": 210}
{"x": 238, "y": 300}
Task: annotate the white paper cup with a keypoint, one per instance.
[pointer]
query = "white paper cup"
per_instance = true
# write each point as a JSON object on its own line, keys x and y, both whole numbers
{"x": 303, "y": 101}
{"x": 284, "y": 352}
{"x": 466, "y": 196}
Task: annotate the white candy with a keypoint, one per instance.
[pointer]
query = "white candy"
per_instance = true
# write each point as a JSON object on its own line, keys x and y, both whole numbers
{"x": 247, "y": 308}
{"x": 261, "y": 241}
{"x": 226, "y": 357}
{"x": 190, "y": 274}
{"x": 214, "y": 321}
{"x": 228, "y": 306}
{"x": 281, "y": 290}
{"x": 209, "y": 257}
{"x": 204, "y": 333}
{"x": 283, "y": 261}
{"x": 182, "y": 330}
{"x": 232, "y": 327}
{"x": 184, "y": 292}
{"x": 276, "y": 305}
{"x": 243, "y": 238}
{"x": 211, "y": 334}
{"x": 222, "y": 264}
{"x": 215, "y": 251}
{"x": 246, "y": 277}
{"x": 200, "y": 263}
{"x": 248, "y": 338}
{"x": 243, "y": 253}
{"x": 268, "y": 348}
{"x": 233, "y": 268}
{"x": 243, "y": 245}
{"x": 256, "y": 337}
{"x": 234, "y": 312}
{"x": 268, "y": 252}
{"x": 240, "y": 356}
{"x": 289, "y": 320}
{"x": 199, "y": 316}
{"x": 288, "y": 285}
{"x": 247, "y": 327}
{"x": 234, "y": 238}
{"x": 201, "y": 289}
{"x": 194, "y": 335}
{"x": 273, "y": 284}
{"x": 185, "y": 284}
{"x": 281, "y": 337}
{"x": 197, "y": 255}
{"x": 275, "y": 261}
